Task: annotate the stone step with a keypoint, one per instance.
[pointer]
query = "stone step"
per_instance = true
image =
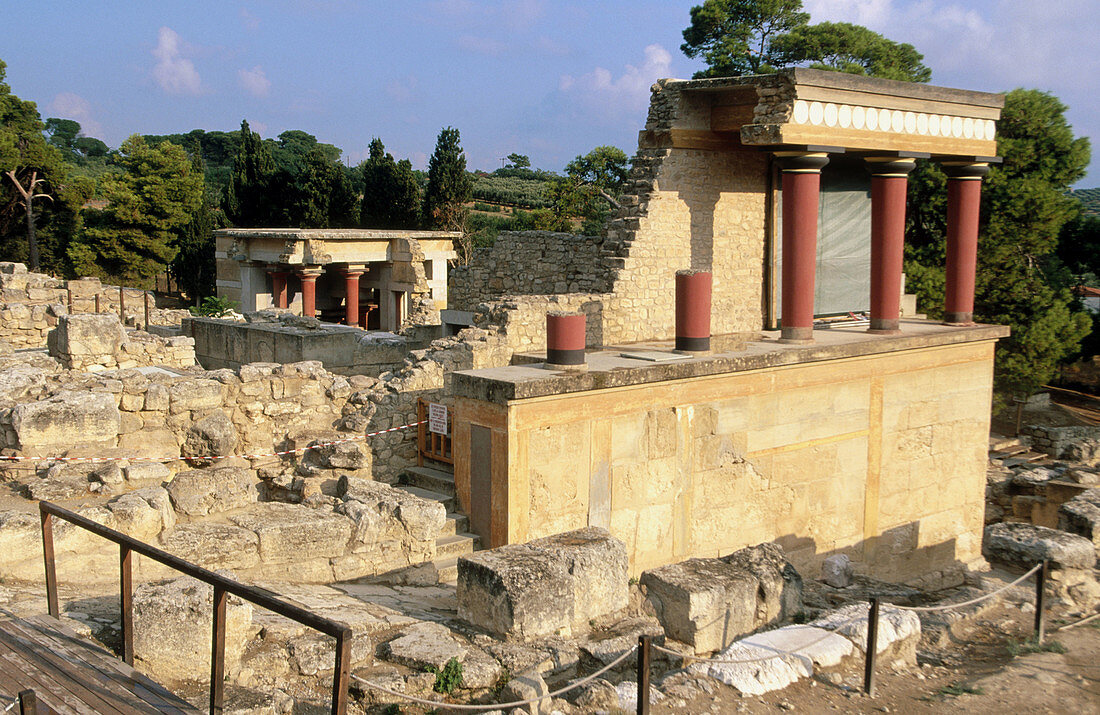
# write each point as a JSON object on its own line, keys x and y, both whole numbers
{"x": 431, "y": 479}
{"x": 456, "y": 523}
{"x": 455, "y": 546}
{"x": 447, "y": 569}
{"x": 1010, "y": 451}
{"x": 446, "y": 500}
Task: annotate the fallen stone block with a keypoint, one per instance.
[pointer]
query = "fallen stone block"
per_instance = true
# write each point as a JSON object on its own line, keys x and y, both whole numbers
{"x": 837, "y": 571}
{"x": 212, "y": 436}
{"x": 1025, "y": 545}
{"x": 213, "y": 546}
{"x": 599, "y": 568}
{"x": 212, "y": 491}
{"x": 431, "y": 645}
{"x": 88, "y": 335}
{"x": 528, "y": 685}
{"x": 1081, "y": 516}
{"x": 288, "y": 533}
{"x": 898, "y": 633}
{"x": 66, "y": 418}
{"x": 172, "y": 633}
{"x": 382, "y": 513}
{"x": 709, "y": 603}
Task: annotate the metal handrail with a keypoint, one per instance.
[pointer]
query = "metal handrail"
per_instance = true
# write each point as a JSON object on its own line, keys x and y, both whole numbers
{"x": 222, "y": 587}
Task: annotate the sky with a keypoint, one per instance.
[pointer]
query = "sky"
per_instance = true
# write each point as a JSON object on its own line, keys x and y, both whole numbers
{"x": 547, "y": 78}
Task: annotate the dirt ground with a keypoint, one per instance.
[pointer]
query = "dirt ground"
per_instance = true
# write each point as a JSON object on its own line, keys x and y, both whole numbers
{"x": 976, "y": 673}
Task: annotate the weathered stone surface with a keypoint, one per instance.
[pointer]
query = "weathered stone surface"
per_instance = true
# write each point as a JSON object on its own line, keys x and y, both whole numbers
{"x": 195, "y": 395}
{"x": 431, "y": 645}
{"x": 599, "y": 568}
{"x": 287, "y": 532}
{"x": 381, "y": 512}
{"x": 1029, "y": 479}
{"x": 1026, "y": 545}
{"x": 709, "y": 603}
{"x": 212, "y": 436}
{"x": 213, "y": 546}
{"x": 146, "y": 472}
{"x": 837, "y": 571}
{"x": 142, "y": 515}
{"x": 598, "y": 694}
{"x": 21, "y": 380}
{"x": 527, "y": 685}
{"x": 172, "y": 633}
{"x": 316, "y": 653}
{"x": 65, "y": 418}
{"x": 210, "y": 491}
{"x": 898, "y": 630}
{"x": 1081, "y": 515}
{"x": 89, "y": 334}
{"x": 515, "y": 591}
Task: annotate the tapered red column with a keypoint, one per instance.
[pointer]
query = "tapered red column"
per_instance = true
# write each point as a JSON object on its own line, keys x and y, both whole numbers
{"x": 801, "y": 189}
{"x": 964, "y": 198}
{"x": 351, "y": 305}
{"x": 889, "y": 181}
{"x": 278, "y": 287}
{"x": 309, "y": 290}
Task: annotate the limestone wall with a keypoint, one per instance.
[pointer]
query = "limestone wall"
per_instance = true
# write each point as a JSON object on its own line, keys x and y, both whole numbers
{"x": 530, "y": 263}
{"x": 879, "y": 457}
{"x": 96, "y": 341}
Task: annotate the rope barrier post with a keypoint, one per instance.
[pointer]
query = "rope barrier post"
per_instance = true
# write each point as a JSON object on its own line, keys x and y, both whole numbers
{"x": 48, "y": 559}
{"x": 217, "y": 653}
{"x": 1040, "y": 588}
{"x": 28, "y": 703}
{"x": 872, "y": 649}
{"x": 643, "y": 674}
{"x": 121, "y": 305}
{"x": 69, "y": 296}
{"x": 146, "y": 297}
{"x": 97, "y": 302}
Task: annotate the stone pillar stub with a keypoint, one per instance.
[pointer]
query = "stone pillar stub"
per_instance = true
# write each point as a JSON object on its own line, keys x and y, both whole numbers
{"x": 889, "y": 184}
{"x": 308, "y": 277}
{"x": 351, "y": 302}
{"x": 964, "y": 195}
{"x": 801, "y": 190}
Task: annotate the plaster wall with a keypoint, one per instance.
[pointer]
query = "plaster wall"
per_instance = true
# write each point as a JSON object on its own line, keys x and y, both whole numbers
{"x": 881, "y": 457}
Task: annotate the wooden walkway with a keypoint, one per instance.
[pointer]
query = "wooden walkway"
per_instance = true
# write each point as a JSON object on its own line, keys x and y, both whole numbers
{"x": 70, "y": 675}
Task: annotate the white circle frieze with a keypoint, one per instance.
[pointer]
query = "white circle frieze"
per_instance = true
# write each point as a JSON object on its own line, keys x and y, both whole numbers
{"x": 881, "y": 119}
{"x": 922, "y": 124}
{"x": 801, "y": 112}
{"x": 817, "y": 113}
{"x": 830, "y": 114}
{"x": 859, "y": 117}
{"x": 844, "y": 116}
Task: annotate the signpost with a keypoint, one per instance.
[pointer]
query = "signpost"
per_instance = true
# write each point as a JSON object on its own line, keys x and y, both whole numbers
{"x": 437, "y": 418}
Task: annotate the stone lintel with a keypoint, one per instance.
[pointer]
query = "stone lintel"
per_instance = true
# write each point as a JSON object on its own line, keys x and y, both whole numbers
{"x": 608, "y": 369}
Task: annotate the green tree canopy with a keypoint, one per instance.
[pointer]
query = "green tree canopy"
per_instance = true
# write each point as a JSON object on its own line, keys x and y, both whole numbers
{"x": 138, "y": 234}
{"x": 449, "y": 186}
{"x": 30, "y": 168}
{"x": 845, "y": 47}
{"x": 248, "y": 198}
{"x": 518, "y": 161}
{"x": 741, "y": 37}
{"x": 1024, "y": 208}
{"x": 592, "y": 183}
{"x": 391, "y": 193}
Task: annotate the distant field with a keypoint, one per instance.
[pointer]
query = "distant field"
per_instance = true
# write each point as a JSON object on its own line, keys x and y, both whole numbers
{"x": 1089, "y": 198}
{"x": 510, "y": 191}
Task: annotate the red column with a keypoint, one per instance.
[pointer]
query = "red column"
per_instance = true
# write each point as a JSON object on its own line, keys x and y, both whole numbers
{"x": 801, "y": 188}
{"x": 278, "y": 287}
{"x": 964, "y": 196}
{"x": 693, "y": 294}
{"x": 351, "y": 305}
{"x": 309, "y": 291}
{"x": 889, "y": 181}
{"x": 565, "y": 338}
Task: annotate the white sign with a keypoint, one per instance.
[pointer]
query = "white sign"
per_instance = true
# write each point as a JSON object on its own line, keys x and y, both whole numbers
{"x": 437, "y": 418}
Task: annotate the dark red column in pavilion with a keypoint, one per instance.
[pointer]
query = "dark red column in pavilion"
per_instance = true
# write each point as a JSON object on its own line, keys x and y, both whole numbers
{"x": 693, "y": 294}
{"x": 964, "y": 195}
{"x": 889, "y": 181}
{"x": 309, "y": 291}
{"x": 565, "y": 339}
{"x": 278, "y": 287}
{"x": 351, "y": 304}
{"x": 801, "y": 188}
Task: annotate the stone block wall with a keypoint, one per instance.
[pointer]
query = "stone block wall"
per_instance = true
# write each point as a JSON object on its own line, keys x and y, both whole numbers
{"x": 530, "y": 263}
{"x": 1056, "y": 441}
{"x": 879, "y": 457}
{"x": 97, "y": 341}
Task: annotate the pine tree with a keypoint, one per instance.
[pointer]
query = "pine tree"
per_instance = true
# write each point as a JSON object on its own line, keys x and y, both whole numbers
{"x": 249, "y": 197}
{"x": 194, "y": 266}
{"x": 449, "y": 186}
{"x": 391, "y": 194}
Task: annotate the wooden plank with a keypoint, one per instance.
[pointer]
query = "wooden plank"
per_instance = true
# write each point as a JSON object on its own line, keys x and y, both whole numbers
{"x": 54, "y": 673}
{"x": 149, "y": 690}
{"x": 57, "y": 699}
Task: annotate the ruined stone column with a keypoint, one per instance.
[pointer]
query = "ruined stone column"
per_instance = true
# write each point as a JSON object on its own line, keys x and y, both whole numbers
{"x": 801, "y": 188}
{"x": 964, "y": 195}
{"x": 565, "y": 340}
{"x": 309, "y": 290}
{"x": 693, "y": 294}
{"x": 889, "y": 181}
{"x": 278, "y": 287}
{"x": 351, "y": 305}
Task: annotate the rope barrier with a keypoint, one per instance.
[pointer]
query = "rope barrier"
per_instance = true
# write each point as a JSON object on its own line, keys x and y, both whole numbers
{"x": 301, "y": 450}
{"x": 979, "y": 599}
{"x": 12, "y": 704}
{"x": 778, "y": 652}
{"x": 499, "y": 706}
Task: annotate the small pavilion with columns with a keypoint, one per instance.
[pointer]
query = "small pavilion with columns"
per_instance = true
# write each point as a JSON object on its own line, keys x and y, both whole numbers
{"x": 359, "y": 277}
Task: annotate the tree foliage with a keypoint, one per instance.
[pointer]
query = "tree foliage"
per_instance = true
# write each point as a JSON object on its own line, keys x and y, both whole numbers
{"x": 590, "y": 187}
{"x": 449, "y": 186}
{"x": 741, "y": 37}
{"x": 1024, "y": 209}
{"x": 248, "y": 199}
{"x": 138, "y": 233}
{"x": 518, "y": 161}
{"x": 194, "y": 267}
{"x": 391, "y": 193}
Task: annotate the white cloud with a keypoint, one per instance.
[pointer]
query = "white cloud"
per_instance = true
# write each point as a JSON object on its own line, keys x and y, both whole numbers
{"x": 254, "y": 81}
{"x": 627, "y": 92}
{"x": 173, "y": 72}
{"x": 72, "y": 106}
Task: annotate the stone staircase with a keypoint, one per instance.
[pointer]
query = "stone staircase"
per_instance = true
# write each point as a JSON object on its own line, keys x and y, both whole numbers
{"x": 437, "y": 484}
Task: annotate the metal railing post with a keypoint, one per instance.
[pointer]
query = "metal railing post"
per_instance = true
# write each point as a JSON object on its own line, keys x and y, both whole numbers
{"x": 48, "y": 558}
{"x": 643, "y": 674}
{"x": 126, "y": 601}
{"x": 340, "y": 676}
{"x": 872, "y": 649}
{"x": 217, "y": 653}
{"x": 1040, "y": 598}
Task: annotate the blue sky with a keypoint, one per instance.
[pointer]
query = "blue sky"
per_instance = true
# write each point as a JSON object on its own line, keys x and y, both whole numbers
{"x": 546, "y": 78}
